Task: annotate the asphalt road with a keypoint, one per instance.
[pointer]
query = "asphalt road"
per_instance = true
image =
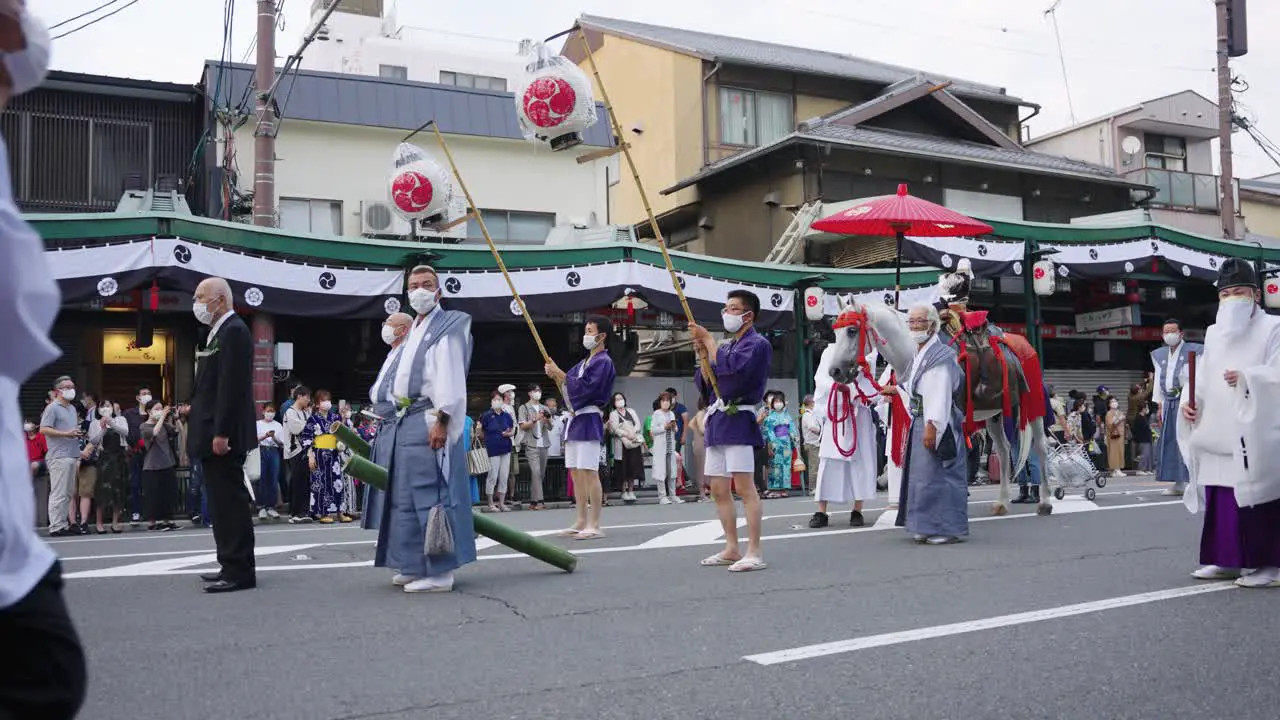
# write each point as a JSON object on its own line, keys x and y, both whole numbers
{"x": 641, "y": 631}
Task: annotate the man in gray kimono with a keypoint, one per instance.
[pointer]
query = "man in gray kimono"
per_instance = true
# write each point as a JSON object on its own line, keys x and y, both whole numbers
{"x": 1170, "y": 364}
{"x": 422, "y": 401}
{"x": 934, "y": 488}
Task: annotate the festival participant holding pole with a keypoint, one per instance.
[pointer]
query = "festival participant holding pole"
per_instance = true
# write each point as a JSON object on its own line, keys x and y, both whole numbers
{"x": 588, "y": 388}
{"x": 1228, "y": 425}
{"x": 422, "y": 400}
{"x": 741, "y": 369}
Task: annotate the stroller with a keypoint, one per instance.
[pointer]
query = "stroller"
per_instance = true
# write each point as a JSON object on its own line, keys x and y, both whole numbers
{"x": 1071, "y": 467}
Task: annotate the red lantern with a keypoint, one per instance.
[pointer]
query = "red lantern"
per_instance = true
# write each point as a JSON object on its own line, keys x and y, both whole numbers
{"x": 553, "y": 100}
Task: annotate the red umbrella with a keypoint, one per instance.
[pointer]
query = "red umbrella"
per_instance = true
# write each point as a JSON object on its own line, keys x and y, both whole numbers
{"x": 901, "y": 215}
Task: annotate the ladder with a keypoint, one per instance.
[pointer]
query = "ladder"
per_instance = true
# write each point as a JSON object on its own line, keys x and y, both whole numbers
{"x": 784, "y": 251}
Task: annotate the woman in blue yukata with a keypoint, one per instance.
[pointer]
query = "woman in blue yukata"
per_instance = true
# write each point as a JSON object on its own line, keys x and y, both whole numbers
{"x": 779, "y": 436}
{"x": 325, "y": 461}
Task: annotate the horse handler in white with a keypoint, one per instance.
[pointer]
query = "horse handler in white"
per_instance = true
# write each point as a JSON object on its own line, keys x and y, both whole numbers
{"x": 847, "y": 454}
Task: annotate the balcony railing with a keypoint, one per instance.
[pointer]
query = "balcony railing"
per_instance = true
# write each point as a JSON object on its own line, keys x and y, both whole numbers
{"x": 1182, "y": 190}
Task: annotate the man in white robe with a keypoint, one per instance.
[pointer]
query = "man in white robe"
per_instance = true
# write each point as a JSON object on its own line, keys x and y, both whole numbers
{"x": 1229, "y": 423}
{"x": 844, "y": 478}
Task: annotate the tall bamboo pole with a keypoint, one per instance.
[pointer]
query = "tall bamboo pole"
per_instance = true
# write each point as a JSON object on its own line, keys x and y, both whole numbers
{"x": 497, "y": 256}
{"x": 644, "y": 198}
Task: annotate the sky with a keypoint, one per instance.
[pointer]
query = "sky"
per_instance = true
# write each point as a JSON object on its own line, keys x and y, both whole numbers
{"x": 1117, "y": 52}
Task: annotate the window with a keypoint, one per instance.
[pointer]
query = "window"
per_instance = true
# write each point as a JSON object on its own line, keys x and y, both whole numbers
{"x": 1166, "y": 152}
{"x": 323, "y": 217}
{"x": 480, "y": 82}
{"x": 511, "y": 226}
{"x": 752, "y": 118}
{"x": 394, "y": 72}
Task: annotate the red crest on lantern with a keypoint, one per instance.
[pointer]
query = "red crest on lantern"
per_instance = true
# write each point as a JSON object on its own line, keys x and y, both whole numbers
{"x": 553, "y": 100}
{"x": 419, "y": 187}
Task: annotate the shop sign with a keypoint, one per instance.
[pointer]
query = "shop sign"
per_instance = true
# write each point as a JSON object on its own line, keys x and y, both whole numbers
{"x": 1121, "y": 317}
{"x": 119, "y": 348}
{"x": 1066, "y": 332}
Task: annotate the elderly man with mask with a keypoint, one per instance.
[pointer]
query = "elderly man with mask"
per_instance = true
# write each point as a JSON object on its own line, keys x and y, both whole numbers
{"x": 47, "y": 680}
{"x": 1227, "y": 429}
{"x": 394, "y": 330}
{"x": 421, "y": 398}
{"x": 934, "y": 488}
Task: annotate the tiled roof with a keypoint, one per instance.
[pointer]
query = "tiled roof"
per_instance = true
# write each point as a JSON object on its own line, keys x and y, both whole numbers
{"x": 782, "y": 57}
{"x": 1260, "y": 186}
{"x": 382, "y": 102}
{"x": 927, "y": 146}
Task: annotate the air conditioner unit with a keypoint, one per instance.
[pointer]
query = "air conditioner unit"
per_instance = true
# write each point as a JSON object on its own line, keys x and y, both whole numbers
{"x": 378, "y": 218}
{"x": 455, "y": 229}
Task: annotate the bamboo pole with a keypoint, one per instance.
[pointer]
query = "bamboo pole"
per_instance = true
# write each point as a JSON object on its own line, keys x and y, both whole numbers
{"x": 644, "y": 198}
{"x": 350, "y": 438}
{"x": 497, "y": 256}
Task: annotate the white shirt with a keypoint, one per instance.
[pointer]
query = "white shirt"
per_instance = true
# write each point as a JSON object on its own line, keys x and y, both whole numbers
{"x": 933, "y": 388}
{"x": 382, "y": 373}
{"x": 295, "y": 421}
{"x": 96, "y": 431}
{"x": 29, "y": 301}
{"x": 444, "y": 374}
{"x": 1170, "y": 365}
{"x": 555, "y": 436}
{"x": 213, "y": 329}
{"x": 265, "y": 427}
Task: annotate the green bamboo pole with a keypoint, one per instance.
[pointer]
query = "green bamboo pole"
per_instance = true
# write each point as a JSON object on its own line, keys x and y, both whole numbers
{"x": 376, "y": 475}
{"x": 349, "y": 438}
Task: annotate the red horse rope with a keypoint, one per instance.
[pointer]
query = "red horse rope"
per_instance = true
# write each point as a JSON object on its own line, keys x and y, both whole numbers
{"x": 554, "y": 104}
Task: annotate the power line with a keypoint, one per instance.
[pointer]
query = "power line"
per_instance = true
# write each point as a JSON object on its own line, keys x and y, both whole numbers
{"x": 1052, "y": 12}
{"x": 94, "y": 21}
{"x": 86, "y": 13}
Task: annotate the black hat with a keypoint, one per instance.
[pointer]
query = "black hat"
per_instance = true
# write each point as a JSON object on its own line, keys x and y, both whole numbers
{"x": 1235, "y": 272}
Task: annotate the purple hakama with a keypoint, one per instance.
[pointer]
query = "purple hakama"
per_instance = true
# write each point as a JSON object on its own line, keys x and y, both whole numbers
{"x": 1236, "y": 537}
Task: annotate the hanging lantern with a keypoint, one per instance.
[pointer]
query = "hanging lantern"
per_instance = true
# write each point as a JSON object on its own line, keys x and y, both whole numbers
{"x": 155, "y": 296}
{"x": 1271, "y": 293}
{"x": 419, "y": 188}
{"x": 815, "y": 303}
{"x": 1133, "y": 298}
{"x": 554, "y": 103}
{"x": 1042, "y": 277}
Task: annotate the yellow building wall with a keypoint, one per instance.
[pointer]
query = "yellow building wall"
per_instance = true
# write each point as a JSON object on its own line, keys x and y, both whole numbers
{"x": 1261, "y": 218}
{"x": 660, "y": 92}
{"x": 805, "y": 107}
{"x": 809, "y": 107}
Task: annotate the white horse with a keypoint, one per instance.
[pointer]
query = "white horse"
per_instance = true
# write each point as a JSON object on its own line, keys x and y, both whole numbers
{"x": 890, "y": 337}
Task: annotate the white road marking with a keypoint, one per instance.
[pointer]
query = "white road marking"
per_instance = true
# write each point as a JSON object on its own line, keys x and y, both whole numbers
{"x": 162, "y": 553}
{"x": 927, "y": 633}
{"x": 178, "y": 566}
{"x": 700, "y": 534}
{"x": 1072, "y": 504}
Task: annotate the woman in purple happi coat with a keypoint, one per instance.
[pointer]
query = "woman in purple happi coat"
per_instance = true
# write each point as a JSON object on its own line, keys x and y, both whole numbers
{"x": 588, "y": 386}
{"x": 741, "y": 370}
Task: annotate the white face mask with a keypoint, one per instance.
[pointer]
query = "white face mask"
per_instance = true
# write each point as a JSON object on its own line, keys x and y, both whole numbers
{"x": 496, "y": 404}
{"x": 535, "y": 396}
{"x": 919, "y": 337}
{"x": 732, "y": 323}
{"x": 589, "y": 341}
{"x": 325, "y": 405}
{"x": 69, "y": 394}
{"x": 619, "y": 403}
{"x": 144, "y": 399}
{"x": 27, "y": 68}
{"x": 1114, "y": 406}
{"x": 202, "y": 313}
{"x": 268, "y": 416}
{"x": 665, "y": 406}
{"x": 779, "y": 406}
{"x": 1172, "y": 339}
{"x": 104, "y": 412}
{"x": 423, "y": 300}
{"x": 1234, "y": 313}
{"x": 29, "y": 427}
{"x": 156, "y": 415}
{"x": 389, "y": 334}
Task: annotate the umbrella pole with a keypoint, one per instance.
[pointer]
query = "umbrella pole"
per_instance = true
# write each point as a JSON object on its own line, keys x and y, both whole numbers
{"x": 644, "y": 198}
{"x": 524, "y": 311}
{"x": 897, "y": 271}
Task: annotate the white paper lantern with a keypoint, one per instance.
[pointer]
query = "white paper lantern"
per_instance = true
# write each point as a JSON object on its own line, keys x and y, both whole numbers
{"x": 1042, "y": 277}
{"x": 419, "y": 187}
{"x": 1271, "y": 293}
{"x": 554, "y": 104}
{"x": 814, "y": 303}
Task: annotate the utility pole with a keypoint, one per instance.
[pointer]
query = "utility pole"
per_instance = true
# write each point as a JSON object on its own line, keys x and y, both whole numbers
{"x": 264, "y": 133}
{"x": 1231, "y": 42}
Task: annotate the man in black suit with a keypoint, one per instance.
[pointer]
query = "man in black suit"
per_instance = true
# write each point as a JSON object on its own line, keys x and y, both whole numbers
{"x": 221, "y": 432}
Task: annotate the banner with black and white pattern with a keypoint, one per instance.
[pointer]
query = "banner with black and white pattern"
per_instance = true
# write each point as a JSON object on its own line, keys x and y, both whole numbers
{"x": 1146, "y": 255}
{"x": 258, "y": 283}
{"x": 988, "y": 257}
{"x": 576, "y": 288}
{"x": 908, "y": 297}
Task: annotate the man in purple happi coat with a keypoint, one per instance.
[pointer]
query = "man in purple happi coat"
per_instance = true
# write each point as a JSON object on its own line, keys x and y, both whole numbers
{"x": 587, "y": 387}
{"x": 741, "y": 370}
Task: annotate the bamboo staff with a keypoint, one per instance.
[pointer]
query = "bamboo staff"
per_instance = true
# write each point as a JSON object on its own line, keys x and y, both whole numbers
{"x": 644, "y": 198}
{"x": 497, "y": 256}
